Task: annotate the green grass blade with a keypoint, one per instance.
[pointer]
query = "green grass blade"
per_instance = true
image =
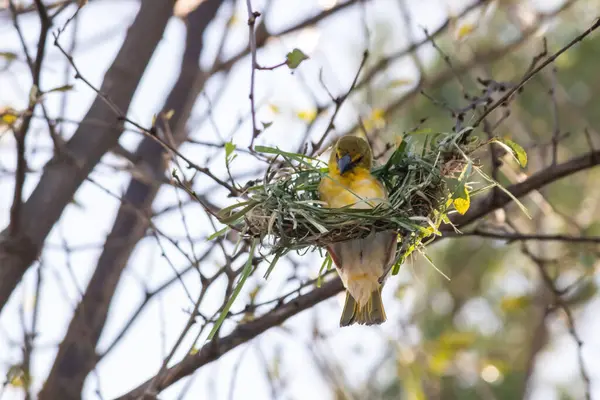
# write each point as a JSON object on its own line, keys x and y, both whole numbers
{"x": 236, "y": 291}
{"x": 272, "y": 265}
{"x": 324, "y": 267}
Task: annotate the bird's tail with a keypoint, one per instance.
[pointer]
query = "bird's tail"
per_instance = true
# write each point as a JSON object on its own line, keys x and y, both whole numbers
{"x": 372, "y": 313}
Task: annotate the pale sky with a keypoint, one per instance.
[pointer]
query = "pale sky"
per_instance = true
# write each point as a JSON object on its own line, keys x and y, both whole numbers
{"x": 336, "y": 47}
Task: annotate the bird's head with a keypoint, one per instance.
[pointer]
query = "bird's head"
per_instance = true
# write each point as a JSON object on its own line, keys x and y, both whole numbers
{"x": 349, "y": 153}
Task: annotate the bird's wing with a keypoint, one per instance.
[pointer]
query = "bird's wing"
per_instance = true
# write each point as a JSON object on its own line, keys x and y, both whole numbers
{"x": 361, "y": 263}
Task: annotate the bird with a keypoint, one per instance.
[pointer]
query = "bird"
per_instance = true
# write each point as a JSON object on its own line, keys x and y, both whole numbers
{"x": 362, "y": 264}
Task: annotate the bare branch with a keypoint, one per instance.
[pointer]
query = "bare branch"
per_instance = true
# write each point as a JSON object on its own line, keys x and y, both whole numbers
{"x": 247, "y": 331}
{"x": 512, "y": 237}
{"x": 36, "y": 69}
{"x": 79, "y": 344}
{"x": 241, "y": 334}
{"x": 65, "y": 172}
{"x": 535, "y": 71}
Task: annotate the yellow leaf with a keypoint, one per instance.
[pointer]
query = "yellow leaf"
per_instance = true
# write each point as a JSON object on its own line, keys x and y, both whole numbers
{"x": 464, "y": 30}
{"x": 169, "y": 114}
{"x": 254, "y": 292}
{"x": 274, "y": 109}
{"x": 378, "y": 114}
{"x": 439, "y": 362}
{"x": 514, "y": 303}
{"x": 308, "y": 115}
{"x": 396, "y": 83}
{"x": 233, "y": 20}
{"x": 454, "y": 340}
{"x": 412, "y": 377}
{"x": 398, "y": 139}
{"x": 194, "y": 351}
{"x": 8, "y": 116}
{"x": 462, "y": 204}
{"x": 565, "y": 60}
{"x": 376, "y": 120}
{"x": 17, "y": 377}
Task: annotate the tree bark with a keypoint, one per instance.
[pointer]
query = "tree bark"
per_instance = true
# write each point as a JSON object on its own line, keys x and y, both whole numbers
{"x": 77, "y": 353}
{"x": 65, "y": 172}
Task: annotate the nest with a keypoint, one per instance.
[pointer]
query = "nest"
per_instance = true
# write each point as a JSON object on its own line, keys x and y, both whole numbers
{"x": 284, "y": 209}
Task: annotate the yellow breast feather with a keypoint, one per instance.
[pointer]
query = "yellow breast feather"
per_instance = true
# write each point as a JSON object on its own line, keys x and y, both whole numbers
{"x": 361, "y": 263}
{"x": 359, "y": 189}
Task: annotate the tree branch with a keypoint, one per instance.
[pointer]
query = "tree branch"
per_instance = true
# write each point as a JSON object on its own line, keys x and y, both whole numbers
{"x": 66, "y": 171}
{"x": 241, "y": 334}
{"x": 512, "y": 237}
{"x": 78, "y": 347}
{"x": 36, "y": 69}
{"x": 248, "y": 331}
{"x": 500, "y": 199}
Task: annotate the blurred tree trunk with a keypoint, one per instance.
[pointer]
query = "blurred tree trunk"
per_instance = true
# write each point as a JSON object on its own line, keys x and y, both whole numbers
{"x": 69, "y": 167}
{"x": 77, "y": 352}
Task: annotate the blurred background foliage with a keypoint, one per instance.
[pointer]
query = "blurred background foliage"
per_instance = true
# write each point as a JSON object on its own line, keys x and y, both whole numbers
{"x": 480, "y": 330}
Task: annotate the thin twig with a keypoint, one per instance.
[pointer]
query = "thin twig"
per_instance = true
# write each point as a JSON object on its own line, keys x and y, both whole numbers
{"x": 511, "y": 237}
{"x": 252, "y": 16}
{"x": 339, "y": 101}
{"x": 537, "y": 69}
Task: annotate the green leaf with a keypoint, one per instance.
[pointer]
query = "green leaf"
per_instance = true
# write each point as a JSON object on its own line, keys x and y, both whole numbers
{"x": 8, "y": 55}
{"x": 17, "y": 377}
{"x": 295, "y": 58}
{"x": 272, "y": 265}
{"x": 511, "y": 304}
{"x": 232, "y": 218}
{"x": 582, "y": 293}
{"x": 513, "y": 148}
{"x": 327, "y": 262}
{"x": 267, "y": 124}
{"x": 229, "y": 149}
{"x": 217, "y": 234}
{"x": 236, "y": 291}
{"x": 294, "y": 156}
{"x": 63, "y": 88}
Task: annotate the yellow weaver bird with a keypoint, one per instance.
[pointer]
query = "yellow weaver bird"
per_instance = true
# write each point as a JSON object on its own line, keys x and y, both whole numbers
{"x": 361, "y": 263}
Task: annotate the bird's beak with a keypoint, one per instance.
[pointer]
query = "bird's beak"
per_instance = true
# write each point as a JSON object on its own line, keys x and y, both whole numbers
{"x": 344, "y": 163}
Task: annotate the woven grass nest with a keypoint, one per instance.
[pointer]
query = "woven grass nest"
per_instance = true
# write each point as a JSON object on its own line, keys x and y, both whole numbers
{"x": 425, "y": 182}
